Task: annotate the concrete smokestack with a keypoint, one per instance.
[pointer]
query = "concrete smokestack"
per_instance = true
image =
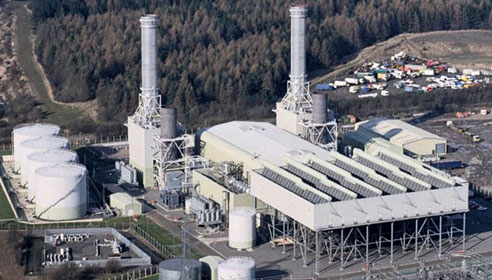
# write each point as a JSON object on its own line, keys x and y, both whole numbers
{"x": 298, "y": 15}
{"x": 148, "y": 26}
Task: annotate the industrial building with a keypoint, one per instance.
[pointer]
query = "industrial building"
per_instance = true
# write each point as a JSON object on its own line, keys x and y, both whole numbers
{"x": 367, "y": 142}
{"x": 415, "y": 141}
{"x": 90, "y": 247}
{"x": 125, "y": 204}
{"x": 289, "y": 179}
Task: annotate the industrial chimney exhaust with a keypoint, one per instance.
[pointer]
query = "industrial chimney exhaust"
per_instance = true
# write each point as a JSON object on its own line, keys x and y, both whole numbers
{"x": 298, "y": 15}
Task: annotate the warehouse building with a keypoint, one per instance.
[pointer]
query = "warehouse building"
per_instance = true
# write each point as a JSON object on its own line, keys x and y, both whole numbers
{"x": 368, "y": 142}
{"x": 127, "y": 205}
{"x": 415, "y": 141}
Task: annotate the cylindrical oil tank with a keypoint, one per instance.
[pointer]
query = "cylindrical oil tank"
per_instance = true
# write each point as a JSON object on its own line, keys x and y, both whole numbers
{"x": 61, "y": 192}
{"x": 168, "y": 122}
{"x": 242, "y": 228}
{"x": 237, "y": 268}
{"x": 42, "y": 159}
{"x": 320, "y": 108}
{"x": 180, "y": 268}
{"x": 41, "y": 144}
{"x": 25, "y": 132}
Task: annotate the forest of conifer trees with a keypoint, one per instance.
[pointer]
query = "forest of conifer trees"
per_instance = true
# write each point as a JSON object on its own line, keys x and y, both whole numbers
{"x": 221, "y": 59}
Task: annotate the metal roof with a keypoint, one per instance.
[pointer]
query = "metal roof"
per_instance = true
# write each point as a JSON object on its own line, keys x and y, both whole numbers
{"x": 266, "y": 141}
{"x": 396, "y": 131}
{"x": 123, "y": 198}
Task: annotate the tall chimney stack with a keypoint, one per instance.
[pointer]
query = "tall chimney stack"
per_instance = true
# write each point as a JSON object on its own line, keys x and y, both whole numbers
{"x": 150, "y": 89}
{"x": 298, "y": 15}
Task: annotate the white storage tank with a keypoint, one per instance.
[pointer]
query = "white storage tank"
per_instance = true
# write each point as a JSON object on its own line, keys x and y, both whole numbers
{"x": 210, "y": 264}
{"x": 237, "y": 268}
{"x": 61, "y": 192}
{"x": 25, "y": 132}
{"x": 188, "y": 202}
{"x": 242, "y": 228}
{"x": 179, "y": 268}
{"x": 43, "y": 159}
{"x": 41, "y": 144}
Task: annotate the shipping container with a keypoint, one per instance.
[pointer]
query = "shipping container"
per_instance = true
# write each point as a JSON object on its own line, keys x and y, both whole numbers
{"x": 324, "y": 87}
{"x": 447, "y": 165}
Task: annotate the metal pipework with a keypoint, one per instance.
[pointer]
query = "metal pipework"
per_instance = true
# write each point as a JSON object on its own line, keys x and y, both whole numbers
{"x": 148, "y": 26}
{"x": 298, "y": 15}
{"x": 168, "y": 123}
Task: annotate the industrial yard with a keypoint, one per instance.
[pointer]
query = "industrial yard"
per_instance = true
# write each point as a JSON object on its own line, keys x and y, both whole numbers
{"x": 474, "y": 156}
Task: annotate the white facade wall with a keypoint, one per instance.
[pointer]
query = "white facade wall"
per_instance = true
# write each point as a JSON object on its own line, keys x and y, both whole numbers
{"x": 141, "y": 146}
{"x": 362, "y": 211}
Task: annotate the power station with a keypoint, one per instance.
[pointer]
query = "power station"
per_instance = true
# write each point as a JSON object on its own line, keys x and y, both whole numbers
{"x": 289, "y": 179}
{"x": 251, "y": 189}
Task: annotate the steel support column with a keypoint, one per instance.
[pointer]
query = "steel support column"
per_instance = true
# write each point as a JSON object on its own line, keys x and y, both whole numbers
{"x": 295, "y": 242}
{"x": 416, "y": 238}
{"x": 316, "y": 264}
{"x": 342, "y": 251}
{"x": 464, "y": 231}
{"x": 440, "y": 236}
{"x": 367, "y": 244}
{"x": 391, "y": 246}
{"x": 283, "y": 233}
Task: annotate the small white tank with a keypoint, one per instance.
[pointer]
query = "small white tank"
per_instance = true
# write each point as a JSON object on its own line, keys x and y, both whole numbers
{"x": 237, "y": 268}
{"x": 188, "y": 206}
{"x": 242, "y": 228}
{"x": 61, "y": 192}
{"x": 39, "y": 145}
{"x": 25, "y": 132}
{"x": 43, "y": 159}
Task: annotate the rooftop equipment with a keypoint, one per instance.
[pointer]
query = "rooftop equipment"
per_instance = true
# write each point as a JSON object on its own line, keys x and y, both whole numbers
{"x": 43, "y": 159}
{"x": 61, "y": 192}
{"x": 25, "y": 132}
{"x": 180, "y": 268}
{"x": 243, "y": 268}
{"x": 242, "y": 228}
{"x": 127, "y": 173}
{"x": 206, "y": 211}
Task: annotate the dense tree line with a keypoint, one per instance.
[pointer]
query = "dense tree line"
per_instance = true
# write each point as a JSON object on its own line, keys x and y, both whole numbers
{"x": 217, "y": 58}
